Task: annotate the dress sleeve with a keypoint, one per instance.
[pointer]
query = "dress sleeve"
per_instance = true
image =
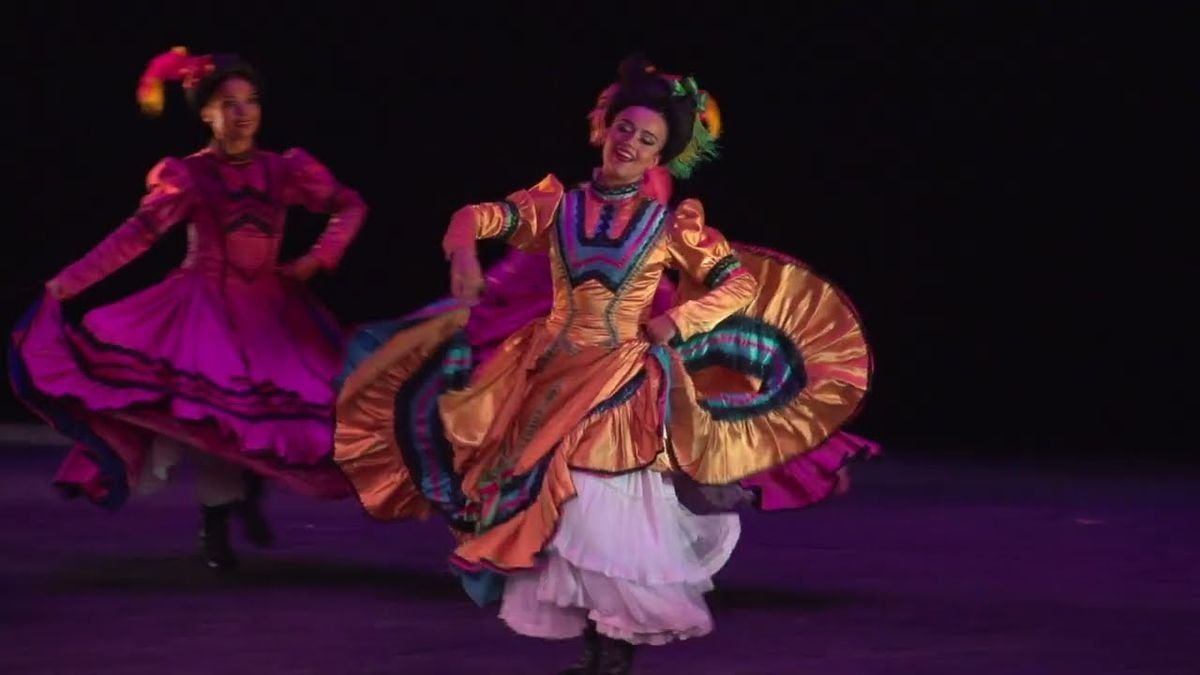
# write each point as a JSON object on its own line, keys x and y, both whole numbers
{"x": 170, "y": 198}
{"x": 312, "y": 186}
{"x": 522, "y": 220}
{"x": 703, "y": 254}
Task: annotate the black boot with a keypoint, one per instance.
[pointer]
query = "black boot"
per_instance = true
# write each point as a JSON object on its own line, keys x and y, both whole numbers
{"x": 591, "y": 653}
{"x": 249, "y": 511}
{"x": 616, "y": 657}
{"x": 214, "y": 538}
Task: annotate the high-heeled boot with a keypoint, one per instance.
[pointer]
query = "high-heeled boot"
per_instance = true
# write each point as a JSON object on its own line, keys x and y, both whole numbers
{"x": 591, "y": 653}
{"x": 249, "y": 511}
{"x": 616, "y": 657}
{"x": 214, "y": 538}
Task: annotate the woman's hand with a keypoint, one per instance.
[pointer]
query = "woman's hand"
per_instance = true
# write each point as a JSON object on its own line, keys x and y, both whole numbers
{"x": 661, "y": 329}
{"x": 55, "y": 289}
{"x": 301, "y": 269}
{"x": 466, "y": 276}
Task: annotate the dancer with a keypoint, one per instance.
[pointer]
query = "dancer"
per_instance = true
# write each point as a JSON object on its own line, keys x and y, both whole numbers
{"x": 555, "y": 457}
{"x": 518, "y": 290}
{"x": 229, "y": 359}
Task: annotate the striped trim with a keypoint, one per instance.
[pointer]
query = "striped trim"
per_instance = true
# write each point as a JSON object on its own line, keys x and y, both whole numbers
{"x": 512, "y": 218}
{"x": 722, "y": 270}
{"x": 757, "y": 349}
{"x": 615, "y": 194}
{"x": 610, "y": 261}
{"x": 418, "y": 431}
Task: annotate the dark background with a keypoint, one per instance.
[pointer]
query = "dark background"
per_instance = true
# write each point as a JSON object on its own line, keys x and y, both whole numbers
{"x": 987, "y": 181}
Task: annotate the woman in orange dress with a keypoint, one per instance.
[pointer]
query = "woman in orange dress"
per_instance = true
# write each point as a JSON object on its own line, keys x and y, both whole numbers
{"x": 556, "y": 459}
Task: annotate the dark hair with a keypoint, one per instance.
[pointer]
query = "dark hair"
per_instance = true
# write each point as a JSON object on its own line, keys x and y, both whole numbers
{"x": 636, "y": 87}
{"x": 226, "y": 67}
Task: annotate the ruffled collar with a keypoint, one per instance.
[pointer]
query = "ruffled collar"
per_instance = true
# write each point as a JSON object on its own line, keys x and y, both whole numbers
{"x": 238, "y": 159}
{"x": 614, "y": 193}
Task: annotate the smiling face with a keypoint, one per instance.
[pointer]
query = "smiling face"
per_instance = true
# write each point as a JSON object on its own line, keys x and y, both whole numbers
{"x": 233, "y": 113}
{"x": 632, "y": 145}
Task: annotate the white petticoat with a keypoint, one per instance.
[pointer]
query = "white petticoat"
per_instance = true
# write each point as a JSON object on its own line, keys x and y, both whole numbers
{"x": 628, "y": 556}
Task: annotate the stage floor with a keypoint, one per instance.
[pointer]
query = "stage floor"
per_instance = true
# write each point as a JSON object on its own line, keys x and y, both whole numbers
{"x": 959, "y": 567}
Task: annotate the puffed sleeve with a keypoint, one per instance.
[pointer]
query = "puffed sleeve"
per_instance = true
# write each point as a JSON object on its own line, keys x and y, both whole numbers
{"x": 522, "y": 220}
{"x": 312, "y": 186}
{"x": 170, "y": 198}
{"x": 703, "y": 254}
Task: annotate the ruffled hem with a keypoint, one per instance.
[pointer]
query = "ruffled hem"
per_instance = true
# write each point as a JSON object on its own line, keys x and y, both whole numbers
{"x": 68, "y": 363}
{"x": 103, "y": 398}
{"x": 555, "y": 604}
{"x": 811, "y": 478}
{"x": 645, "y": 587}
{"x": 673, "y": 545}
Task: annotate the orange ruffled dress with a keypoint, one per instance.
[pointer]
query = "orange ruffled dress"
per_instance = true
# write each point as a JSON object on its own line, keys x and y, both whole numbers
{"x": 571, "y": 432}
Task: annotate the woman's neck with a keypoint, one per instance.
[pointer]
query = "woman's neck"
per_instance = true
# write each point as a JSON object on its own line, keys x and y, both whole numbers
{"x": 603, "y": 179}
{"x": 232, "y": 150}
{"x": 610, "y": 189}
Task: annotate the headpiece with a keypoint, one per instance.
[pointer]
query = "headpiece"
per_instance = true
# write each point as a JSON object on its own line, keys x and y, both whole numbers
{"x": 199, "y": 75}
{"x": 705, "y": 116}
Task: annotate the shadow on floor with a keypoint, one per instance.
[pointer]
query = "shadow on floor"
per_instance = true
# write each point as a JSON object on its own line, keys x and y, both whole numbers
{"x": 140, "y": 574}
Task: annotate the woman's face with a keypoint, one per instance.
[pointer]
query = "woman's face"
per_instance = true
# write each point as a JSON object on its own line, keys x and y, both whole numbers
{"x": 233, "y": 112}
{"x": 633, "y": 144}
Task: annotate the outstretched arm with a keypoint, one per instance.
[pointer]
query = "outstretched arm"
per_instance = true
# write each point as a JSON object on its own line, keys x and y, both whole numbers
{"x": 169, "y": 199}
{"x": 522, "y": 220}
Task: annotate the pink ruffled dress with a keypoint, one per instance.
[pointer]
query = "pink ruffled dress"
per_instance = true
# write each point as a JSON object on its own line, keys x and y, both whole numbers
{"x": 225, "y": 355}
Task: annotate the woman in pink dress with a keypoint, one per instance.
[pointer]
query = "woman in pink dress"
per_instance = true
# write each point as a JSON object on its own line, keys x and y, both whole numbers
{"x": 229, "y": 360}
